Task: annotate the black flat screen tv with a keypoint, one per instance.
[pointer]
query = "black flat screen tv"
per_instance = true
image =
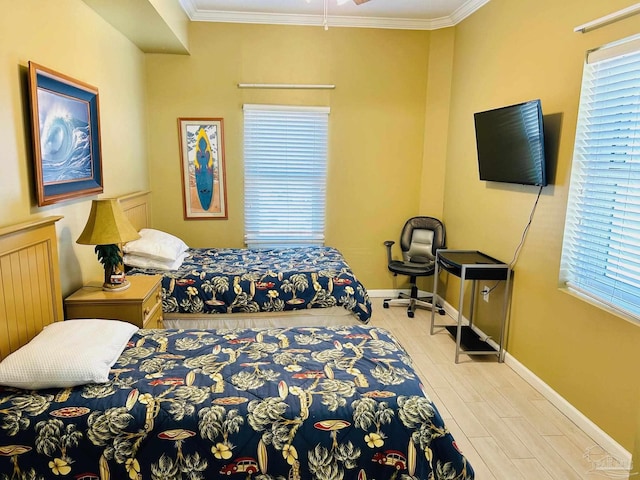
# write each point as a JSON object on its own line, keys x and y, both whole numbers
{"x": 510, "y": 144}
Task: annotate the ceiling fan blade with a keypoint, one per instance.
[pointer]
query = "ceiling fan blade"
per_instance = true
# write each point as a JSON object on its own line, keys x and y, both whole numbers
{"x": 360, "y": 2}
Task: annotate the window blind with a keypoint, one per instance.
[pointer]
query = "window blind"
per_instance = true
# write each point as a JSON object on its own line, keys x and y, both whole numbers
{"x": 285, "y": 164}
{"x": 601, "y": 250}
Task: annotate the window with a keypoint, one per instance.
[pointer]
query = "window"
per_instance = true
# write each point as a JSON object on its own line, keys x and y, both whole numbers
{"x": 285, "y": 164}
{"x": 601, "y": 251}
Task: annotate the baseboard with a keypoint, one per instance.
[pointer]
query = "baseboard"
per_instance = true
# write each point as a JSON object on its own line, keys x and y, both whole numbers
{"x": 622, "y": 457}
{"x": 386, "y": 293}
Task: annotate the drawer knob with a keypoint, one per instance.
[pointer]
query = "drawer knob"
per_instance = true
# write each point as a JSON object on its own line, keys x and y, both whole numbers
{"x": 146, "y": 311}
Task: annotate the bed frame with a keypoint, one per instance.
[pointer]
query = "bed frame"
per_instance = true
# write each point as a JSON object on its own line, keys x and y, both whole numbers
{"x": 30, "y": 292}
{"x": 137, "y": 208}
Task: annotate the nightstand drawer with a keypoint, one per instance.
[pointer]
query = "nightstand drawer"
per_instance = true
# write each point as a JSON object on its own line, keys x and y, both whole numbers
{"x": 154, "y": 320}
{"x": 152, "y": 309}
{"x": 140, "y": 304}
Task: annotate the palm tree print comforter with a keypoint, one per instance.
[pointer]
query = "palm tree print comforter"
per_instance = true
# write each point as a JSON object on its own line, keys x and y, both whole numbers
{"x": 231, "y": 280}
{"x": 267, "y": 404}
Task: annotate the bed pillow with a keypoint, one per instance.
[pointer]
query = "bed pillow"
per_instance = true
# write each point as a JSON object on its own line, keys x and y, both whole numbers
{"x": 157, "y": 245}
{"x": 66, "y": 354}
{"x": 132, "y": 260}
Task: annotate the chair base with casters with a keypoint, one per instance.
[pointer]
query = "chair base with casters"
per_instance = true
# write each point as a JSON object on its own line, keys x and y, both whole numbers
{"x": 421, "y": 237}
{"x": 412, "y": 301}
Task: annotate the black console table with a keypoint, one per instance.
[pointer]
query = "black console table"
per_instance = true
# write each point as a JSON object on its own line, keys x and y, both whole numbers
{"x": 471, "y": 265}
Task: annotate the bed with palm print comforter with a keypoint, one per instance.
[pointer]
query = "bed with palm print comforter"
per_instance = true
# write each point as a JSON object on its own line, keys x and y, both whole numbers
{"x": 267, "y": 404}
{"x": 233, "y": 280}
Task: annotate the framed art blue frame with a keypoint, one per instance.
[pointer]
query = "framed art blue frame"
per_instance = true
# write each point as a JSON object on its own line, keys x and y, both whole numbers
{"x": 65, "y": 123}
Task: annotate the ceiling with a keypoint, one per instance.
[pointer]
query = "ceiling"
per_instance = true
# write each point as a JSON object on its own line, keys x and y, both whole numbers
{"x": 161, "y": 26}
{"x": 398, "y": 14}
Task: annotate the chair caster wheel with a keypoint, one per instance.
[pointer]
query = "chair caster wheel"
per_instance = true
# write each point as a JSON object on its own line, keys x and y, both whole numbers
{"x": 410, "y": 314}
{"x": 385, "y": 304}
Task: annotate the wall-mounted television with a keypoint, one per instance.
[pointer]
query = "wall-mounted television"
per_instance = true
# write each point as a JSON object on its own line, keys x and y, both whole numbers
{"x": 510, "y": 144}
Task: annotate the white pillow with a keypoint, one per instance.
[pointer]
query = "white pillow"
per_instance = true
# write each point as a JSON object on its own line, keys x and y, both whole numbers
{"x": 156, "y": 244}
{"x": 133, "y": 260}
{"x": 67, "y": 353}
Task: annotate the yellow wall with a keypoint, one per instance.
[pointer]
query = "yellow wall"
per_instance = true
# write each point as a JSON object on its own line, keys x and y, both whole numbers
{"x": 505, "y": 53}
{"x": 175, "y": 18}
{"x": 69, "y": 37}
{"x": 635, "y": 471}
{"x": 436, "y": 129}
{"x": 376, "y": 125}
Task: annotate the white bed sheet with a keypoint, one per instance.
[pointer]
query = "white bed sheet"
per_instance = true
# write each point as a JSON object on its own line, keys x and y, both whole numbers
{"x": 315, "y": 317}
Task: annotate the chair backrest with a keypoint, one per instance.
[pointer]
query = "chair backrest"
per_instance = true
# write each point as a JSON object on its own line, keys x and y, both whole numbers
{"x": 420, "y": 238}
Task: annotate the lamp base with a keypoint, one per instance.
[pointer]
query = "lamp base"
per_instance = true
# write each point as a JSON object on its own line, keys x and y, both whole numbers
{"x": 116, "y": 287}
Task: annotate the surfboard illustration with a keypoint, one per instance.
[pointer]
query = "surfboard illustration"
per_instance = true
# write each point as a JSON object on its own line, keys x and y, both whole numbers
{"x": 203, "y": 163}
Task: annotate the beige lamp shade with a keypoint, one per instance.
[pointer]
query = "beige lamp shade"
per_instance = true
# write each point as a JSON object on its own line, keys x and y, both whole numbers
{"x": 107, "y": 225}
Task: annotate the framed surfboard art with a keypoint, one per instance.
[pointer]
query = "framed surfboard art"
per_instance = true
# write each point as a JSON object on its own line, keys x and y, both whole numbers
{"x": 204, "y": 190}
{"x": 65, "y": 121}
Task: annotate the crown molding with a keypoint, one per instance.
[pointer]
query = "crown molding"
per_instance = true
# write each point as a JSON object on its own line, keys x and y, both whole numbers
{"x": 466, "y": 10}
{"x": 456, "y": 17}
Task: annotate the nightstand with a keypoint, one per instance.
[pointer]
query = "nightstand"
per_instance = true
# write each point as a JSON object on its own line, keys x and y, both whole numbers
{"x": 140, "y": 304}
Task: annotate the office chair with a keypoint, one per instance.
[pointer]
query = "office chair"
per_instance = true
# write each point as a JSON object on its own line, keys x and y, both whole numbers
{"x": 419, "y": 240}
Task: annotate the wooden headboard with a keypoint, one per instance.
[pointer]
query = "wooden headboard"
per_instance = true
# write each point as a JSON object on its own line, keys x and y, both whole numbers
{"x": 137, "y": 208}
{"x": 30, "y": 293}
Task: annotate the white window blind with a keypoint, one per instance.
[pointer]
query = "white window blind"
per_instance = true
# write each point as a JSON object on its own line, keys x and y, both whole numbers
{"x": 285, "y": 165}
{"x": 601, "y": 251}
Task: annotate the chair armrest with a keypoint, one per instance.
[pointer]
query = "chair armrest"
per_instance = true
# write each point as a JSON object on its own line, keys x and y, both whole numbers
{"x": 388, "y": 244}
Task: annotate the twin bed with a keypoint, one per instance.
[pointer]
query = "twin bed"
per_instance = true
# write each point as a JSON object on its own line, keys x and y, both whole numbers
{"x": 303, "y": 280}
{"x": 222, "y": 287}
{"x": 296, "y": 402}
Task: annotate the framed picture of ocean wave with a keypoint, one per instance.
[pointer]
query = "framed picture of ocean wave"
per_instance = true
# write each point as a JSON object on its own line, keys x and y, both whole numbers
{"x": 65, "y": 123}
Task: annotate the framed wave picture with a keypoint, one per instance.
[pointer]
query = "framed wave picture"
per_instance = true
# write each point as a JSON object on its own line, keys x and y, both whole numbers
{"x": 66, "y": 136}
{"x": 204, "y": 190}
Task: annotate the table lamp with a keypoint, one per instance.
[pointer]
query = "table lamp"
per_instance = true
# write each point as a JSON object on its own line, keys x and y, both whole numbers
{"x": 107, "y": 228}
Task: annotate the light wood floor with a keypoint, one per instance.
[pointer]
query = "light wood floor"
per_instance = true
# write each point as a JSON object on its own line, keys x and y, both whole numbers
{"x": 505, "y": 428}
